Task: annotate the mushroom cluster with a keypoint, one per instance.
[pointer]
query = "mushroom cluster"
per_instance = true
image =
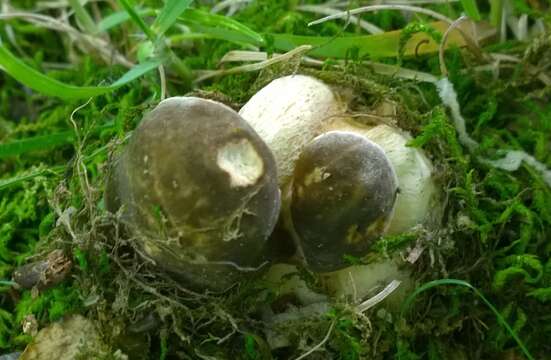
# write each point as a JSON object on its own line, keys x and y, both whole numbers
{"x": 201, "y": 187}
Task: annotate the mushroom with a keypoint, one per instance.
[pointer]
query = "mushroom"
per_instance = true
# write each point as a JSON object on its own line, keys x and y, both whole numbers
{"x": 342, "y": 199}
{"x": 289, "y": 113}
{"x": 412, "y": 167}
{"x": 197, "y": 188}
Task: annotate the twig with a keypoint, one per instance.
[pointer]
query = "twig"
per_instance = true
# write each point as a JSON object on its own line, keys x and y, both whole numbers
{"x": 257, "y": 66}
{"x": 84, "y": 41}
{"x": 232, "y": 4}
{"x": 326, "y": 10}
{"x": 245, "y": 56}
{"x": 379, "y": 68}
{"x": 454, "y": 25}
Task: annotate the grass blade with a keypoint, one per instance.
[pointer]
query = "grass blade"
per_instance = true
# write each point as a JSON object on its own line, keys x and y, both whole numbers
{"x": 53, "y": 170}
{"x": 168, "y": 15}
{"x": 16, "y": 180}
{"x": 19, "y": 147}
{"x": 83, "y": 16}
{"x": 44, "y": 142}
{"x": 52, "y": 87}
{"x": 471, "y": 9}
{"x": 496, "y": 11}
{"x": 377, "y": 45}
{"x": 500, "y": 318}
{"x": 137, "y": 19}
{"x": 120, "y": 17}
{"x": 221, "y": 27}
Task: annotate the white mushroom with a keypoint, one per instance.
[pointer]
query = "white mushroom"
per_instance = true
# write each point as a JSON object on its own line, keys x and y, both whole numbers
{"x": 287, "y": 114}
{"x": 290, "y": 112}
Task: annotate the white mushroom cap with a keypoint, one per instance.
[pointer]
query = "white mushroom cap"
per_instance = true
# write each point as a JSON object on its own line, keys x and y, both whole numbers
{"x": 417, "y": 192}
{"x": 287, "y": 114}
{"x": 291, "y": 111}
{"x": 415, "y": 182}
{"x": 413, "y": 169}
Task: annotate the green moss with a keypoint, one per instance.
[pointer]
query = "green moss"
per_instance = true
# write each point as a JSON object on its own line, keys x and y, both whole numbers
{"x": 51, "y": 305}
{"x": 494, "y": 231}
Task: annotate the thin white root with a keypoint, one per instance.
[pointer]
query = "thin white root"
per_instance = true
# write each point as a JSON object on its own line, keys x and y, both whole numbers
{"x": 315, "y": 348}
{"x": 513, "y": 158}
{"x": 448, "y": 96}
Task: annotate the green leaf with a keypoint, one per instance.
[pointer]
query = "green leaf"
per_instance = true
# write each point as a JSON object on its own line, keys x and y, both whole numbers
{"x": 375, "y": 46}
{"x": 82, "y": 15}
{"x": 119, "y": 17}
{"x": 35, "y": 143}
{"x": 221, "y": 27}
{"x": 435, "y": 283}
{"x": 52, "y": 87}
{"x": 137, "y": 19}
{"x": 16, "y": 180}
{"x": 496, "y": 11}
{"x": 168, "y": 15}
{"x": 41, "y": 143}
{"x": 471, "y": 9}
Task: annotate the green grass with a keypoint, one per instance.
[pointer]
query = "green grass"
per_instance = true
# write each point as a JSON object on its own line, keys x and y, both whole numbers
{"x": 485, "y": 273}
{"x": 436, "y": 283}
{"x": 52, "y": 87}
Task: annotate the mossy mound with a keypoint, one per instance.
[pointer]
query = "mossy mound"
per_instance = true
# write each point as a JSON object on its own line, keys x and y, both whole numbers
{"x": 493, "y": 231}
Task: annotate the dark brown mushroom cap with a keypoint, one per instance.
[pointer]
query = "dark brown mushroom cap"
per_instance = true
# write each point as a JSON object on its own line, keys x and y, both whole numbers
{"x": 344, "y": 189}
{"x": 199, "y": 190}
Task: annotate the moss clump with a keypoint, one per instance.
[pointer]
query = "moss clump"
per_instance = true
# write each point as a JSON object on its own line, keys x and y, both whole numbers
{"x": 493, "y": 234}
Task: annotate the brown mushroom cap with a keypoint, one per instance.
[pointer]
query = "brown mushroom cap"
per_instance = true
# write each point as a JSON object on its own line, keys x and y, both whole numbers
{"x": 198, "y": 189}
{"x": 344, "y": 189}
